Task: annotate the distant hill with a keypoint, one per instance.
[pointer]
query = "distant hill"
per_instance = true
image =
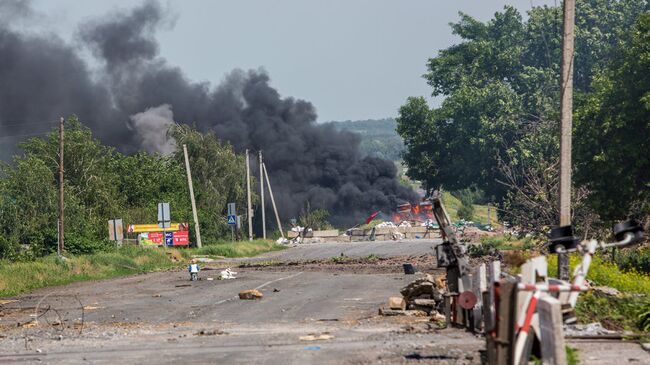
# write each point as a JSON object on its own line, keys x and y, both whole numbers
{"x": 378, "y": 137}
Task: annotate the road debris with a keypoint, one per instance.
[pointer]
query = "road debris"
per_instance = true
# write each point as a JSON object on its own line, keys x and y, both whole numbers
{"x": 251, "y": 294}
{"x": 313, "y": 337}
{"x": 398, "y": 312}
{"x": 227, "y": 274}
{"x": 210, "y": 332}
{"x": 396, "y": 303}
{"x": 7, "y": 301}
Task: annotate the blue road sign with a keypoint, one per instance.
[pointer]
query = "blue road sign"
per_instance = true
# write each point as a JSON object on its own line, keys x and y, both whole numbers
{"x": 232, "y": 220}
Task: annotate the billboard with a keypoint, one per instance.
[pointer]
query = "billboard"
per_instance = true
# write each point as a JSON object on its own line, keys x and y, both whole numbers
{"x": 178, "y": 238}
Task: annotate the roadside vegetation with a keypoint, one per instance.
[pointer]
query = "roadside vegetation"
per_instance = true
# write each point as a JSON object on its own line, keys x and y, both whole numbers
{"x": 18, "y": 277}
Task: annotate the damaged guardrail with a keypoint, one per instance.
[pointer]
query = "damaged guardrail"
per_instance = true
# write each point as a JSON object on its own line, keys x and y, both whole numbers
{"x": 514, "y": 312}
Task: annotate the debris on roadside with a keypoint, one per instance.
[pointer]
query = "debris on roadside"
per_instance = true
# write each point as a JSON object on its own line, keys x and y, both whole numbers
{"x": 398, "y": 312}
{"x": 313, "y": 337}
{"x": 422, "y": 297}
{"x": 227, "y": 274}
{"x": 396, "y": 303}
{"x": 210, "y": 332}
{"x": 251, "y": 294}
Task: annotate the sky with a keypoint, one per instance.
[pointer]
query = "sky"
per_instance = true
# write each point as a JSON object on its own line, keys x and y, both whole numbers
{"x": 353, "y": 59}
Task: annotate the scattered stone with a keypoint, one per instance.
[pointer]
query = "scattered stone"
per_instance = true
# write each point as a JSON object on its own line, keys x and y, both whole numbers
{"x": 425, "y": 302}
{"x": 608, "y": 290}
{"x": 396, "y": 312}
{"x": 276, "y": 290}
{"x": 396, "y": 303}
{"x": 210, "y": 333}
{"x": 251, "y": 294}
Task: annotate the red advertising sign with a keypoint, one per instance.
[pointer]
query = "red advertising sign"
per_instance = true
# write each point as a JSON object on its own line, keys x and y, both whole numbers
{"x": 181, "y": 238}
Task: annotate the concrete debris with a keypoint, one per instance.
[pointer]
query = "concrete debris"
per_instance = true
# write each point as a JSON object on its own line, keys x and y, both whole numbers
{"x": 405, "y": 224}
{"x": 608, "y": 291}
{"x": 386, "y": 225}
{"x": 251, "y": 294}
{"x": 7, "y": 301}
{"x": 425, "y": 294}
{"x": 591, "y": 329}
{"x": 312, "y": 337}
{"x": 227, "y": 274}
{"x": 282, "y": 241}
{"x": 396, "y": 303}
{"x": 399, "y": 312}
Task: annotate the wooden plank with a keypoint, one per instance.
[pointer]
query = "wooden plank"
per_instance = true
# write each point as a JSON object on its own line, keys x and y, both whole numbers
{"x": 506, "y": 323}
{"x": 552, "y": 336}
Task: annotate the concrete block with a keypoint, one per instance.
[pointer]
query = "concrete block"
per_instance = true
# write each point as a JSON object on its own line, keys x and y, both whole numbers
{"x": 397, "y": 303}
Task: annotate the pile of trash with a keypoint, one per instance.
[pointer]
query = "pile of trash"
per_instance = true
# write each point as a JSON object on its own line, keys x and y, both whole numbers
{"x": 423, "y": 297}
{"x": 386, "y": 225}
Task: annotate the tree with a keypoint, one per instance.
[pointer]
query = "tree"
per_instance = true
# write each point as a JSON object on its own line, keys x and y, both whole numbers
{"x": 501, "y": 88}
{"x": 613, "y": 125}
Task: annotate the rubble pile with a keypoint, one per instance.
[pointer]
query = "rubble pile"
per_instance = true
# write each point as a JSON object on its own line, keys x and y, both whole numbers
{"x": 424, "y": 294}
{"x": 423, "y": 297}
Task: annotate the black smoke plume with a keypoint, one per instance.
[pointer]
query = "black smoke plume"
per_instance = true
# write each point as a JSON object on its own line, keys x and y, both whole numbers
{"x": 128, "y": 103}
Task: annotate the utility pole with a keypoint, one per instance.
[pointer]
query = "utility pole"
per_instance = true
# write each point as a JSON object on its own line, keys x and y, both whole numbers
{"x": 189, "y": 183}
{"x": 248, "y": 198}
{"x": 61, "y": 206}
{"x": 566, "y": 108}
{"x": 262, "y": 197}
{"x": 275, "y": 209}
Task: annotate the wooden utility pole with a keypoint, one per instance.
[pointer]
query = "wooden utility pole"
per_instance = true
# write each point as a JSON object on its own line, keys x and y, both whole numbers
{"x": 61, "y": 203}
{"x": 189, "y": 183}
{"x": 248, "y": 198}
{"x": 262, "y": 197}
{"x": 566, "y": 108}
{"x": 275, "y": 209}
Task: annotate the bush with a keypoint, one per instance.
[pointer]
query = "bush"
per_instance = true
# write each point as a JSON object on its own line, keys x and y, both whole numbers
{"x": 633, "y": 260}
{"x": 466, "y": 210}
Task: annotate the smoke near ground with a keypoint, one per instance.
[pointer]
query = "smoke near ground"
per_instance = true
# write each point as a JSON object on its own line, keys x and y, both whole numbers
{"x": 128, "y": 103}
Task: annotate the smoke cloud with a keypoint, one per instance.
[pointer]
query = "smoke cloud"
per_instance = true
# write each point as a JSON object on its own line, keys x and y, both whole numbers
{"x": 152, "y": 126}
{"x": 43, "y": 77}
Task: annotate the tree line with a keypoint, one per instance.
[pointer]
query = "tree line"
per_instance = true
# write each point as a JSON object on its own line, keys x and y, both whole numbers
{"x": 102, "y": 183}
{"x": 497, "y": 128}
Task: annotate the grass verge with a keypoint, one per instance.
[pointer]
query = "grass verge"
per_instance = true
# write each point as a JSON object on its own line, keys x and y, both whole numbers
{"x": 238, "y": 249}
{"x": 21, "y": 277}
{"x": 630, "y": 311}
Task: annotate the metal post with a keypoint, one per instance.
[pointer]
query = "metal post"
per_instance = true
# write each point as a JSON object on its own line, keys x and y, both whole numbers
{"x": 275, "y": 209}
{"x": 249, "y": 213}
{"x": 262, "y": 197}
{"x": 61, "y": 203}
{"x": 189, "y": 183}
{"x": 566, "y": 106}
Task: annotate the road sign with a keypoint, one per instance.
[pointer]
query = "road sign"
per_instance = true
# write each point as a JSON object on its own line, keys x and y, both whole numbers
{"x": 232, "y": 220}
{"x": 231, "y": 209}
{"x": 164, "y": 218}
{"x": 115, "y": 231}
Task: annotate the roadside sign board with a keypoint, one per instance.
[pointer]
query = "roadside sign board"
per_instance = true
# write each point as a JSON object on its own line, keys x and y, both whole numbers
{"x": 231, "y": 209}
{"x": 232, "y": 220}
{"x": 115, "y": 230}
{"x": 138, "y": 228}
{"x": 164, "y": 217}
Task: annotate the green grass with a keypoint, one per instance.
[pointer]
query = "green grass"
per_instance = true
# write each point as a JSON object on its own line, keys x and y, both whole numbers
{"x": 238, "y": 249}
{"x": 626, "y": 312}
{"x": 24, "y": 276}
{"x": 21, "y": 277}
{"x": 452, "y": 204}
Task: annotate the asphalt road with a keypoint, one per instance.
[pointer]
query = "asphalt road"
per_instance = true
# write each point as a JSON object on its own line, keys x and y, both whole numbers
{"x": 163, "y": 318}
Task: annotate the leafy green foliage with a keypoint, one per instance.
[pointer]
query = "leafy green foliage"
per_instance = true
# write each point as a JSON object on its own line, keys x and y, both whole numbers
{"x": 633, "y": 260}
{"x": 497, "y": 125}
{"x": 102, "y": 184}
{"x": 315, "y": 219}
{"x": 466, "y": 210}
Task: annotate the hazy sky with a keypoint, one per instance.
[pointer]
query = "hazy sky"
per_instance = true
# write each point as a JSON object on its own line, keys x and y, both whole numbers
{"x": 353, "y": 59}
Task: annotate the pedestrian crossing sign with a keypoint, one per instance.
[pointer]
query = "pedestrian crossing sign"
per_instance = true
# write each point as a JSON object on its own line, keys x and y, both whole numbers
{"x": 232, "y": 220}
